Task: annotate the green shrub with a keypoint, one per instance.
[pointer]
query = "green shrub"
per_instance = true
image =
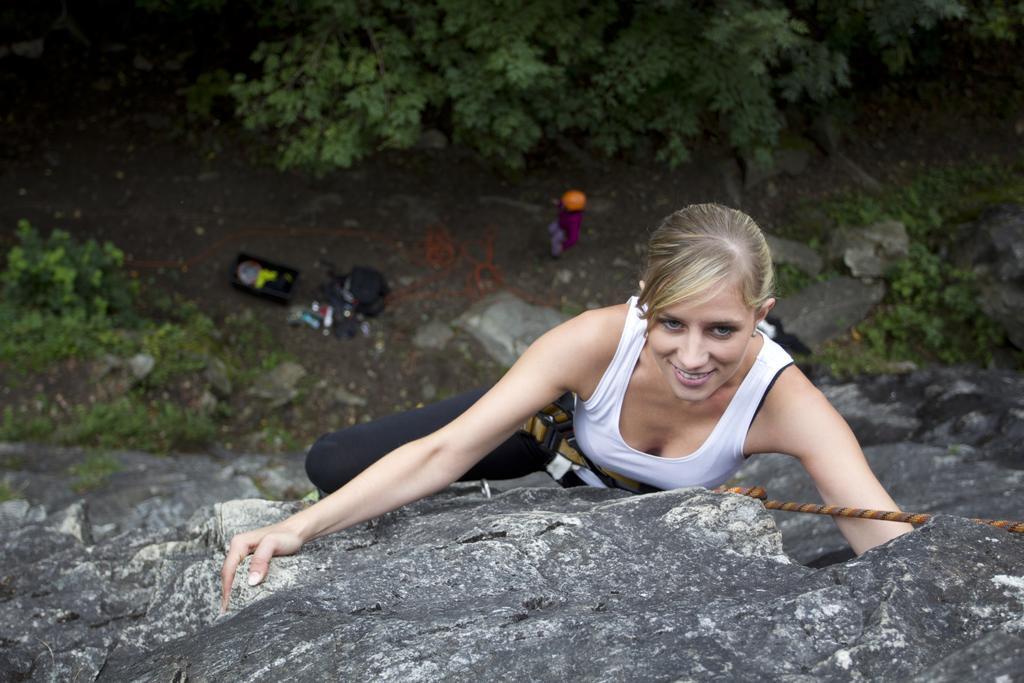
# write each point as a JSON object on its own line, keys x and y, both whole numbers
{"x": 930, "y": 313}
{"x": 61, "y": 276}
{"x": 210, "y": 88}
{"x": 789, "y": 279}
{"x": 178, "y": 348}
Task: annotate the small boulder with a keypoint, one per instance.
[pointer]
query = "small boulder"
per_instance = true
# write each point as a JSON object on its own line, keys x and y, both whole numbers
{"x": 505, "y": 325}
{"x": 279, "y": 386}
{"x": 434, "y": 335}
{"x": 825, "y": 310}
{"x": 868, "y": 252}
{"x": 794, "y": 253}
{"x": 140, "y": 365}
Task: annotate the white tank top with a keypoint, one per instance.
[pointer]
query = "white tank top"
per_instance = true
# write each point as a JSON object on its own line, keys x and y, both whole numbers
{"x": 596, "y": 420}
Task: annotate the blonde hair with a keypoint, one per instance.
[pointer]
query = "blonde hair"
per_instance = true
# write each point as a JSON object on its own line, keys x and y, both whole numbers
{"x": 695, "y": 249}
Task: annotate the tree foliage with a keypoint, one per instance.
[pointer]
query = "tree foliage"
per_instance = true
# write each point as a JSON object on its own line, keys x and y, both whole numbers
{"x": 336, "y": 80}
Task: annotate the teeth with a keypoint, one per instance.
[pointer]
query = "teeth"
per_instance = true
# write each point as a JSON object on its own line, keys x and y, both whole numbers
{"x": 691, "y": 375}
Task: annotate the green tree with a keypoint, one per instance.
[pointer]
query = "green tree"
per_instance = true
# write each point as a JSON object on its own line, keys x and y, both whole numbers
{"x": 336, "y": 80}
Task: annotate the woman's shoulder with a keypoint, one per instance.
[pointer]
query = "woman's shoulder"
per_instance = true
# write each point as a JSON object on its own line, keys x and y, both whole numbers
{"x": 794, "y": 413}
{"x": 791, "y": 393}
{"x": 585, "y": 344}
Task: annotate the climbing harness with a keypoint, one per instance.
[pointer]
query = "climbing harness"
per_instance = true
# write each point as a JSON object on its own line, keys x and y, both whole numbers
{"x": 552, "y": 428}
{"x": 860, "y": 513}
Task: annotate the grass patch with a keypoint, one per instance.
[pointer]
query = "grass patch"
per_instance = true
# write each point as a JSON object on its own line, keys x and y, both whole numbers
{"x": 21, "y": 425}
{"x": 275, "y": 436}
{"x": 131, "y": 422}
{"x": 247, "y": 349}
{"x": 789, "y": 279}
{"x": 933, "y": 201}
{"x": 92, "y": 472}
{"x": 34, "y": 340}
{"x": 928, "y": 204}
{"x": 7, "y": 492}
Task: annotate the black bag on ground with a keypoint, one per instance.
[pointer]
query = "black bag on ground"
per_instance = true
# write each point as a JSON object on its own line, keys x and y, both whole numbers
{"x": 363, "y": 289}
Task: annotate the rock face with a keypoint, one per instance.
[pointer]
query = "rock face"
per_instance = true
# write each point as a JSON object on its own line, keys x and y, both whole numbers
{"x": 976, "y": 414}
{"x": 993, "y": 248}
{"x": 541, "y": 583}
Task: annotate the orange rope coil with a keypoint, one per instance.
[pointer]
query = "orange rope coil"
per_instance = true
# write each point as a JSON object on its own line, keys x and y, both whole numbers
{"x": 441, "y": 252}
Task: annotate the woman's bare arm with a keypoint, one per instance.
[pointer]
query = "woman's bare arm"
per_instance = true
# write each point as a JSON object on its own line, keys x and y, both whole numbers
{"x": 798, "y": 420}
{"x": 564, "y": 359}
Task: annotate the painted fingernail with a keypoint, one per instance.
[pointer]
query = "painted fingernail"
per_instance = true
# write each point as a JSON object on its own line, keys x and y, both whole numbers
{"x": 254, "y": 578}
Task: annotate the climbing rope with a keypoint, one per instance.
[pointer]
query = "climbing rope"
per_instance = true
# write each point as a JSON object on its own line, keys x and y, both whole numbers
{"x": 860, "y": 513}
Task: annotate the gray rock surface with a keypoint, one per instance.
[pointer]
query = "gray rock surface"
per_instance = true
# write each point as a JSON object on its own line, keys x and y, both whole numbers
{"x": 980, "y": 413}
{"x": 824, "y": 310}
{"x": 147, "y": 492}
{"x": 537, "y": 582}
{"x": 541, "y": 584}
{"x": 140, "y": 365}
{"x": 216, "y": 374}
{"x": 947, "y": 439}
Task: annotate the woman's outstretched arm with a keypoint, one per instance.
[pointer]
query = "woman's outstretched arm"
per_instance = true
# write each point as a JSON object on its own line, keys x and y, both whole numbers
{"x": 564, "y": 359}
{"x": 798, "y": 420}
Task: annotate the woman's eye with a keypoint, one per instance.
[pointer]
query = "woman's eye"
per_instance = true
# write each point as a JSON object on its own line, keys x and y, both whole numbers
{"x": 670, "y": 324}
{"x": 721, "y": 331}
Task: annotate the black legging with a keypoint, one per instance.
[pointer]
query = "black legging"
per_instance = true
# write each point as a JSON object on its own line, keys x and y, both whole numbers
{"x": 336, "y": 458}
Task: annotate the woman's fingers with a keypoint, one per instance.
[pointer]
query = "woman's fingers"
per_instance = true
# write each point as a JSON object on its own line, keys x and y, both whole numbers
{"x": 237, "y": 552}
{"x": 260, "y": 562}
{"x": 266, "y": 545}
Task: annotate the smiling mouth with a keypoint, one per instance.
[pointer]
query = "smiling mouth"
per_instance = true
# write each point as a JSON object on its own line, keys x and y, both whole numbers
{"x": 692, "y": 378}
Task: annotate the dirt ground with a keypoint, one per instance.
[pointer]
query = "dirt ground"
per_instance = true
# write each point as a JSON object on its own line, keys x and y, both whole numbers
{"x": 108, "y": 161}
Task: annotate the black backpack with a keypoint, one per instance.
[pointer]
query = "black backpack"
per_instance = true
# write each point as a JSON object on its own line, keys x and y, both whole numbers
{"x": 363, "y": 290}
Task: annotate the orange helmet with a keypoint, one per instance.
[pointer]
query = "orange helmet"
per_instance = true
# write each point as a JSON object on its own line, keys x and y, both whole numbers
{"x": 574, "y": 200}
